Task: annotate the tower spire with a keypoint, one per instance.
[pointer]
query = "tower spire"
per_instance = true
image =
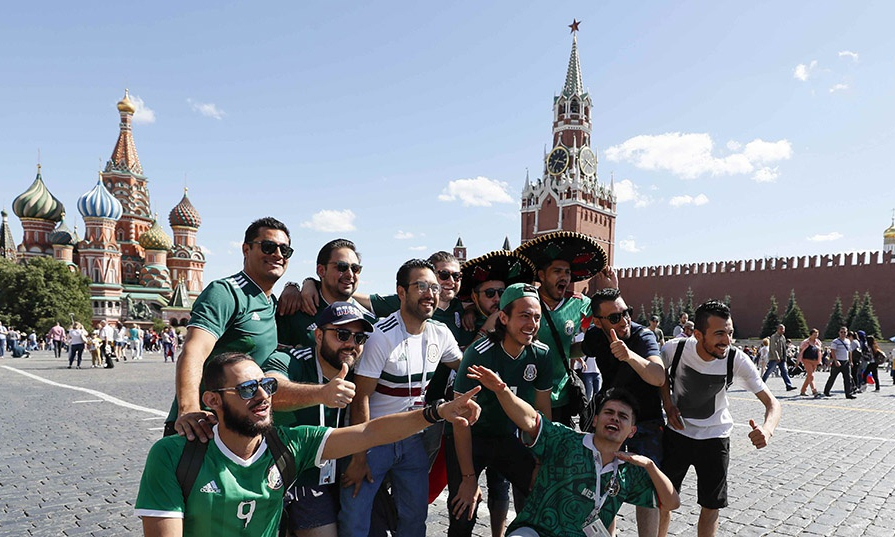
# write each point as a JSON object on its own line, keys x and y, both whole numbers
{"x": 573, "y": 84}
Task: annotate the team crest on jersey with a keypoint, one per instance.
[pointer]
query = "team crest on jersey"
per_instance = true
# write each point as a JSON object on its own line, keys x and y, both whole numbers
{"x": 570, "y": 327}
{"x": 432, "y": 353}
{"x": 457, "y": 318}
{"x": 530, "y": 373}
{"x": 274, "y": 481}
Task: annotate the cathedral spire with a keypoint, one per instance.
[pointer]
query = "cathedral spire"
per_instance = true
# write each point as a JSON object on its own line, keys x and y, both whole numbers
{"x": 124, "y": 156}
{"x": 573, "y": 84}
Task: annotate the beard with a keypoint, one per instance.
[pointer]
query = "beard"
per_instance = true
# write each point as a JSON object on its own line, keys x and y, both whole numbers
{"x": 244, "y": 426}
{"x": 331, "y": 356}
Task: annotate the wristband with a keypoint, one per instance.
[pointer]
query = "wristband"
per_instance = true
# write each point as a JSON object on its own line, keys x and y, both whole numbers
{"x": 430, "y": 412}
{"x": 464, "y": 476}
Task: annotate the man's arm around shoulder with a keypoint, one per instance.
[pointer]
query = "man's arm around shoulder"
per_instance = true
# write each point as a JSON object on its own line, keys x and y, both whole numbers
{"x": 188, "y": 374}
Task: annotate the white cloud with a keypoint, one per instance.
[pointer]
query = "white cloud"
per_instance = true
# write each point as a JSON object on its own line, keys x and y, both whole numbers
{"x": 330, "y": 221}
{"x": 766, "y": 175}
{"x": 838, "y": 87}
{"x": 680, "y": 201}
{"x": 802, "y": 71}
{"x": 142, "y": 113}
{"x": 205, "y": 250}
{"x": 418, "y": 248}
{"x": 207, "y": 109}
{"x": 689, "y": 155}
{"x": 733, "y": 145}
{"x": 848, "y": 54}
{"x": 626, "y": 190}
{"x": 478, "y": 192}
{"x": 629, "y": 245}
{"x": 825, "y": 238}
{"x": 404, "y": 235}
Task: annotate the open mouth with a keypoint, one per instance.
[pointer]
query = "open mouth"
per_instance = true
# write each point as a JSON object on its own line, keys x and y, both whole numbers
{"x": 612, "y": 427}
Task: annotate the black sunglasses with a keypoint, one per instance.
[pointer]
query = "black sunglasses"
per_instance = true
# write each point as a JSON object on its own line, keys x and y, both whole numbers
{"x": 344, "y": 334}
{"x": 342, "y": 266}
{"x": 269, "y": 247}
{"x": 445, "y": 274}
{"x": 490, "y": 292}
{"x": 249, "y": 388}
{"x": 615, "y": 318}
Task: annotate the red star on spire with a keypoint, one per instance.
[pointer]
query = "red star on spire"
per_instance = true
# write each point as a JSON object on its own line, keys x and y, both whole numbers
{"x": 574, "y": 25}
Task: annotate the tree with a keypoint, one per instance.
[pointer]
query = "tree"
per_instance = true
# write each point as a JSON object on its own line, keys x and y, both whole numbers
{"x": 794, "y": 319}
{"x": 642, "y": 319}
{"x": 688, "y": 305}
{"x": 836, "y": 321}
{"x": 42, "y": 291}
{"x": 852, "y": 311}
{"x": 657, "y": 307}
{"x": 670, "y": 320}
{"x": 866, "y": 319}
{"x": 771, "y": 320}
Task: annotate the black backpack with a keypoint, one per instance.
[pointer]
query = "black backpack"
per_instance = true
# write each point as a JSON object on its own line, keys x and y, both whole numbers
{"x": 677, "y": 358}
{"x": 194, "y": 455}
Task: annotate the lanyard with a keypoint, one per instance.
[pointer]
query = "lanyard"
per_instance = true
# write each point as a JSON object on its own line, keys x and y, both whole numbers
{"x": 406, "y": 347}
{"x": 600, "y": 499}
{"x": 320, "y": 381}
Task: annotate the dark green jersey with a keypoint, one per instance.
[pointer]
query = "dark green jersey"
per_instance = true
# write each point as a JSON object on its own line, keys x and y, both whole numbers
{"x": 297, "y": 330}
{"x": 231, "y": 496}
{"x": 564, "y": 492}
{"x": 567, "y": 319}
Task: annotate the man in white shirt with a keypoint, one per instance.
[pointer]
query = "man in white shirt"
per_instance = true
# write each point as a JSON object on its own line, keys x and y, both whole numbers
{"x": 841, "y": 349}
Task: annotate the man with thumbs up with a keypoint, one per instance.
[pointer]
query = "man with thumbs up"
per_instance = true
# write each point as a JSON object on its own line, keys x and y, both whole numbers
{"x": 627, "y": 355}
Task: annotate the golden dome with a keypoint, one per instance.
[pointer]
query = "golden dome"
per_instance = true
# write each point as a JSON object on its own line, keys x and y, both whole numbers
{"x": 126, "y": 105}
{"x": 889, "y": 233}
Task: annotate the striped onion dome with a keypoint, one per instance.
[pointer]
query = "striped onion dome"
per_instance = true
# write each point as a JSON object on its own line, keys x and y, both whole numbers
{"x": 184, "y": 214}
{"x": 62, "y": 235}
{"x": 99, "y": 203}
{"x": 37, "y": 202}
{"x": 155, "y": 238}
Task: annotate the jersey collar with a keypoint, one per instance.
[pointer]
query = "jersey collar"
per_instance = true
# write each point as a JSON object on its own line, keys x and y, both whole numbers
{"x": 233, "y": 457}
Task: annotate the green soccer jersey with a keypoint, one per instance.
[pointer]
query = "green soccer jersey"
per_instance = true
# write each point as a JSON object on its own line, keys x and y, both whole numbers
{"x": 530, "y": 371}
{"x": 567, "y": 319}
{"x": 231, "y": 496}
{"x": 452, "y": 316}
{"x": 238, "y": 313}
{"x": 563, "y": 495}
{"x": 300, "y": 365}
{"x": 297, "y": 330}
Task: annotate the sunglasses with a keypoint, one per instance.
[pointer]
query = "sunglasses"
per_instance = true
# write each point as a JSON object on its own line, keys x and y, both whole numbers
{"x": 269, "y": 247}
{"x": 344, "y": 334}
{"x": 425, "y": 286}
{"x": 249, "y": 388}
{"x": 616, "y": 318}
{"x": 342, "y": 266}
{"x": 446, "y": 274}
{"x": 490, "y": 292}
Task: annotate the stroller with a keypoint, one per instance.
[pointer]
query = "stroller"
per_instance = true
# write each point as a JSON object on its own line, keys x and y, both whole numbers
{"x": 794, "y": 368}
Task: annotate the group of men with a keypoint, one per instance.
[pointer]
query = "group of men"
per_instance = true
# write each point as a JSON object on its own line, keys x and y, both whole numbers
{"x": 360, "y": 378}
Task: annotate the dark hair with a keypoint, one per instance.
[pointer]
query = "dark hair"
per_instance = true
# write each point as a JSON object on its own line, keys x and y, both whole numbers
{"x": 874, "y": 346}
{"x": 500, "y": 329}
{"x": 603, "y": 295}
{"x": 545, "y": 262}
{"x": 623, "y": 396}
{"x": 213, "y": 375}
{"x": 442, "y": 257}
{"x": 712, "y": 308}
{"x": 403, "y": 277}
{"x": 335, "y": 244}
{"x": 268, "y": 222}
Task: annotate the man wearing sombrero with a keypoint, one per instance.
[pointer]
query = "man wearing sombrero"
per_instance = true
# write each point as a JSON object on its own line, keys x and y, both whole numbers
{"x": 561, "y": 258}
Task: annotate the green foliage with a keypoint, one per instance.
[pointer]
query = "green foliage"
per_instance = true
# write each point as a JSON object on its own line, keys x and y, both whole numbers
{"x": 866, "y": 319}
{"x": 641, "y": 317}
{"x": 836, "y": 321}
{"x": 670, "y": 320}
{"x": 771, "y": 320}
{"x": 657, "y": 307}
{"x": 794, "y": 319}
{"x": 36, "y": 294}
{"x": 687, "y": 306}
{"x": 158, "y": 325}
{"x": 853, "y": 311}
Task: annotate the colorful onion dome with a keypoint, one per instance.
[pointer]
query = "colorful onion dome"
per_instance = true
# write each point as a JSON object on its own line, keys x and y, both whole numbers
{"x": 126, "y": 105}
{"x": 184, "y": 214}
{"x": 37, "y": 202}
{"x": 155, "y": 238}
{"x": 99, "y": 203}
{"x": 62, "y": 235}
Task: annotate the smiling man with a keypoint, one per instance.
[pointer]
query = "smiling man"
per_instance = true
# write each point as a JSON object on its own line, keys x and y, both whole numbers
{"x": 235, "y": 314}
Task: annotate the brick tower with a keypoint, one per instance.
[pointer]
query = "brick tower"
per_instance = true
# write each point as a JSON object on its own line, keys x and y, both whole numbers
{"x": 569, "y": 195}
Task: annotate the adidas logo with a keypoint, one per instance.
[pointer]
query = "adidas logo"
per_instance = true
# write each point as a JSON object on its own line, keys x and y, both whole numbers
{"x": 211, "y": 488}
{"x": 256, "y": 317}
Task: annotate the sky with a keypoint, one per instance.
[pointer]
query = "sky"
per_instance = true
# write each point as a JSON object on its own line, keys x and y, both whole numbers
{"x": 730, "y": 130}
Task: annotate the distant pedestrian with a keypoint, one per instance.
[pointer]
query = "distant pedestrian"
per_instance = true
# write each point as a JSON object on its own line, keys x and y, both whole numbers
{"x": 777, "y": 357}
{"x": 679, "y": 329}
{"x": 121, "y": 336}
{"x": 840, "y": 363}
{"x": 878, "y": 358}
{"x": 57, "y": 336}
{"x": 77, "y": 338}
{"x": 3, "y": 332}
{"x": 654, "y": 327}
{"x": 107, "y": 337}
{"x": 94, "y": 347}
{"x": 169, "y": 340}
{"x": 135, "y": 337}
{"x": 810, "y": 352}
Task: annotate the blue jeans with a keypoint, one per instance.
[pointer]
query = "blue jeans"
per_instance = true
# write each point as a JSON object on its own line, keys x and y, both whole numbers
{"x": 783, "y": 372}
{"x": 591, "y": 383}
{"x": 408, "y": 466}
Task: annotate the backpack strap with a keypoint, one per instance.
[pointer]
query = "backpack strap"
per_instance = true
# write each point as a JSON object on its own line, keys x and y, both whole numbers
{"x": 730, "y": 354}
{"x": 675, "y": 361}
{"x": 285, "y": 461}
{"x": 189, "y": 465}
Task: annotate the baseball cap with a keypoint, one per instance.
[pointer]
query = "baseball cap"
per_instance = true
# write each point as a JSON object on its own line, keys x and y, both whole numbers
{"x": 517, "y": 291}
{"x": 654, "y": 318}
{"x": 339, "y": 313}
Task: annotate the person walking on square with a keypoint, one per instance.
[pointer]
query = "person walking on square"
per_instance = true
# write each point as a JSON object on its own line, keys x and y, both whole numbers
{"x": 878, "y": 358}
{"x": 777, "y": 357}
{"x": 840, "y": 363}
{"x": 810, "y": 352}
{"x": 77, "y": 338}
{"x": 57, "y": 336}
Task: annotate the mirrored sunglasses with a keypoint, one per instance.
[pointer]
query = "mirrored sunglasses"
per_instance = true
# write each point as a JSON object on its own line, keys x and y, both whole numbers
{"x": 249, "y": 388}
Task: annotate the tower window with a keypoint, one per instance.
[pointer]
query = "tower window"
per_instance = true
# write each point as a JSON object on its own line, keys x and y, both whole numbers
{"x": 573, "y": 107}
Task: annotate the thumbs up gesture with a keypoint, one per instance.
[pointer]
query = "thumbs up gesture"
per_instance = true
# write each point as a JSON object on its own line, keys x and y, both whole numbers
{"x": 758, "y": 435}
{"x": 618, "y": 347}
{"x": 338, "y": 392}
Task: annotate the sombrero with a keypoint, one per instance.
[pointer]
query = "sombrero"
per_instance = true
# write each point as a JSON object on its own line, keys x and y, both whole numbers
{"x": 502, "y": 265}
{"x": 584, "y": 254}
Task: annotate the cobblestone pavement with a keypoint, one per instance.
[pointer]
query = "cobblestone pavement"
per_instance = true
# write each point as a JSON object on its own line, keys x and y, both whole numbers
{"x": 70, "y": 459}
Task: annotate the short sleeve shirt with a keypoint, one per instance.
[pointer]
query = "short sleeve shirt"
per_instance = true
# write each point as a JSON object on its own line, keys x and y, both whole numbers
{"x": 231, "y": 496}
{"x": 529, "y": 372}
{"x": 298, "y": 329}
{"x": 841, "y": 349}
{"x": 452, "y": 316}
{"x": 564, "y": 492}
{"x": 568, "y": 319}
{"x": 403, "y": 363}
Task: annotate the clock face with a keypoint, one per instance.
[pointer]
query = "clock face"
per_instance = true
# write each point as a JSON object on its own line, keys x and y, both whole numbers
{"x": 587, "y": 161}
{"x": 558, "y": 160}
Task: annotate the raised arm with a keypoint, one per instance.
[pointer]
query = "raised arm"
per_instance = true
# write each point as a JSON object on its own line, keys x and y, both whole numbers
{"x": 521, "y": 413}
{"x": 650, "y": 368}
{"x": 337, "y": 393}
{"x": 761, "y": 434}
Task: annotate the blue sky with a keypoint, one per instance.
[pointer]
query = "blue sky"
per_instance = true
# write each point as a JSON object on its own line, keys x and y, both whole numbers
{"x": 731, "y": 130}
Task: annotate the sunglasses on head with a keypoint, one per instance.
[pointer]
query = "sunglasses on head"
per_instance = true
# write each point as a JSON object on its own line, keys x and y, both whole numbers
{"x": 269, "y": 247}
{"x": 491, "y": 291}
{"x": 446, "y": 274}
{"x": 344, "y": 334}
{"x": 342, "y": 266}
{"x": 249, "y": 388}
{"x": 616, "y": 318}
